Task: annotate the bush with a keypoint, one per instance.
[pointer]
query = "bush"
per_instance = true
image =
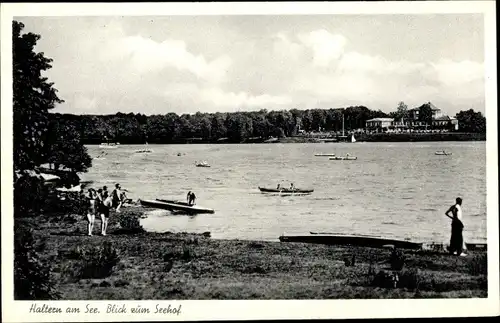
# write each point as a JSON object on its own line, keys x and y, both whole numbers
{"x": 178, "y": 253}
{"x": 29, "y": 196}
{"x": 131, "y": 224}
{"x": 73, "y": 203}
{"x": 409, "y": 279}
{"x": 397, "y": 260}
{"x": 478, "y": 265}
{"x": 32, "y": 276}
{"x": 385, "y": 279}
{"x": 97, "y": 262}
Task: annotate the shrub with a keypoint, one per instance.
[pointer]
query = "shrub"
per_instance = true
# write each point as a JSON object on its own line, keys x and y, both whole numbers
{"x": 409, "y": 279}
{"x": 29, "y": 196}
{"x": 97, "y": 262}
{"x": 170, "y": 254}
{"x": 130, "y": 224}
{"x": 187, "y": 253}
{"x": 478, "y": 265}
{"x": 397, "y": 259}
{"x": 177, "y": 253}
{"x": 73, "y": 203}
{"x": 32, "y": 276}
{"x": 385, "y": 279}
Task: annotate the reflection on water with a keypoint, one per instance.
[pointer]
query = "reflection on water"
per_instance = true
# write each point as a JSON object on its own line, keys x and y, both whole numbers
{"x": 398, "y": 190}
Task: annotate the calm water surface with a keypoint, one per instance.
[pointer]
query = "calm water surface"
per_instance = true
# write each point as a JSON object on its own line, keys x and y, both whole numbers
{"x": 394, "y": 189}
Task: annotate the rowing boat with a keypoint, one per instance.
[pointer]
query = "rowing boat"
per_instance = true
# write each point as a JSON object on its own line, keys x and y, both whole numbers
{"x": 202, "y": 164}
{"x": 353, "y": 240}
{"x": 285, "y": 190}
{"x": 343, "y": 158}
{"x": 372, "y": 241}
{"x": 175, "y": 206}
{"x": 324, "y": 155}
{"x": 442, "y": 153}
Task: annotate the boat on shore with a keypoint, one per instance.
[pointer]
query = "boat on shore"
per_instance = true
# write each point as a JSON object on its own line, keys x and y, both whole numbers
{"x": 343, "y": 158}
{"x": 286, "y": 190}
{"x": 442, "y": 153}
{"x": 175, "y": 206}
{"x": 370, "y": 241}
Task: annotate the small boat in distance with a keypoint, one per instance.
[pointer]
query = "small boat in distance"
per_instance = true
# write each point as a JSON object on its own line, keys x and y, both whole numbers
{"x": 144, "y": 150}
{"x": 324, "y": 155}
{"x": 106, "y": 145}
{"x": 286, "y": 190}
{"x": 442, "y": 153}
{"x": 101, "y": 155}
{"x": 271, "y": 140}
{"x": 346, "y": 157}
{"x": 202, "y": 164}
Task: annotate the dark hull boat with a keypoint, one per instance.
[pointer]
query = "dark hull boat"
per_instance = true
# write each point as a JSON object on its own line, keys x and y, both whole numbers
{"x": 352, "y": 240}
{"x": 285, "y": 190}
{"x": 372, "y": 241}
{"x": 343, "y": 158}
{"x": 176, "y": 206}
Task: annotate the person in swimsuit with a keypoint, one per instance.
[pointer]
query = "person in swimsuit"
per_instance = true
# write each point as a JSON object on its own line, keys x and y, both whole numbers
{"x": 105, "y": 206}
{"x": 91, "y": 209}
{"x": 118, "y": 196}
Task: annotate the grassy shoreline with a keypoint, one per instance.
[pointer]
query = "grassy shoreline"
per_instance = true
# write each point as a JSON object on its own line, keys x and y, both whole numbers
{"x": 194, "y": 266}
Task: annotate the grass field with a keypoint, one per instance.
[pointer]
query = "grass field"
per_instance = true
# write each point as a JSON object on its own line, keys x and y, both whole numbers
{"x": 128, "y": 264}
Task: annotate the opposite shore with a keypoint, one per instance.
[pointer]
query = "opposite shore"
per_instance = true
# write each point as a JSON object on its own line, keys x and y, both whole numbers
{"x": 130, "y": 263}
{"x": 360, "y": 137}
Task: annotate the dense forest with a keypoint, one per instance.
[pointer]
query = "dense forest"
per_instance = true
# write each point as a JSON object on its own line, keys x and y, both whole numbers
{"x": 233, "y": 127}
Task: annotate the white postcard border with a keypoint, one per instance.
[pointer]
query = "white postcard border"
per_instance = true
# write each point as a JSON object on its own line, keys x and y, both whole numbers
{"x": 17, "y": 311}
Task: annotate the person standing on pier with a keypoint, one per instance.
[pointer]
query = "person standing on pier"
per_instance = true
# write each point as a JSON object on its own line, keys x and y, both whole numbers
{"x": 457, "y": 244}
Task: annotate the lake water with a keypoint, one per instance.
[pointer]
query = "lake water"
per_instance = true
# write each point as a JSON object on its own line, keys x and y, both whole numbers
{"x": 396, "y": 190}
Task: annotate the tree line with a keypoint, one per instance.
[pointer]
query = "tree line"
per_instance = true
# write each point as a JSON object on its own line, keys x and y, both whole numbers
{"x": 211, "y": 127}
{"x": 236, "y": 127}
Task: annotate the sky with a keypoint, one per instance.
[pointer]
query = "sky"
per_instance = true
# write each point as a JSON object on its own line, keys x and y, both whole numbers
{"x": 186, "y": 64}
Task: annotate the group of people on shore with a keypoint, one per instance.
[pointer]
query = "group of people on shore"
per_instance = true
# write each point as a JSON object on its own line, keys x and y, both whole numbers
{"x": 100, "y": 202}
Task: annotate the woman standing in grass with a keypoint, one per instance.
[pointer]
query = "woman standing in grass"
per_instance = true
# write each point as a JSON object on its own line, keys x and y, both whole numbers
{"x": 457, "y": 244}
{"x": 92, "y": 209}
{"x": 105, "y": 206}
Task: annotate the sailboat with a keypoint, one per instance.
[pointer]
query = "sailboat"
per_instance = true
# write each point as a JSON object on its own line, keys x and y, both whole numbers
{"x": 345, "y": 138}
{"x": 145, "y": 149}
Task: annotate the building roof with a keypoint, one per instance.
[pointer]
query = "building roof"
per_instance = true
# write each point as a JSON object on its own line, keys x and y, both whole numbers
{"x": 444, "y": 118}
{"x": 433, "y": 107}
{"x": 381, "y": 119}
